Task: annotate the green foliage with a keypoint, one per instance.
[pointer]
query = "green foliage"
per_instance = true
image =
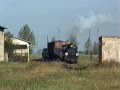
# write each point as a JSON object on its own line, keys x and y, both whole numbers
{"x": 8, "y": 43}
{"x": 27, "y": 35}
{"x": 9, "y": 47}
{"x": 96, "y": 48}
{"x": 88, "y": 47}
{"x": 8, "y": 34}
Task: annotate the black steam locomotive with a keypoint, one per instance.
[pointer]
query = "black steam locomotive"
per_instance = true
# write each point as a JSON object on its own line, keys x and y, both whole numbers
{"x": 64, "y": 51}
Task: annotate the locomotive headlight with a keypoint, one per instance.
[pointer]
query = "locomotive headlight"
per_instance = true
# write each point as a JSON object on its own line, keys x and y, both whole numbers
{"x": 71, "y": 45}
{"x": 77, "y": 54}
{"x": 66, "y": 54}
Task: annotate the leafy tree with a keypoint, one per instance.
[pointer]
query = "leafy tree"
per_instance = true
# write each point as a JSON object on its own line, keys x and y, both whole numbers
{"x": 96, "y": 48}
{"x": 8, "y": 34}
{"x": 88, "y": 47}
{"x": 8, "y": 43}
{"x": 27, "y": 35}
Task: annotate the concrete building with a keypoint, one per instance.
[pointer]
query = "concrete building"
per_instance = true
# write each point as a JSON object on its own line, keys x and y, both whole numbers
{"x": 109, "y": 49}
{"x": 2, "y": 43}
{"x": 21, "y": 49}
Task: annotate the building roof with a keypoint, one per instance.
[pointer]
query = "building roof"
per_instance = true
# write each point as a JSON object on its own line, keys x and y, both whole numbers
{"x": 57, "y": 41}
{"x": 2, "y": 28}
{"x": 109, "y": 37}
{"x": 20, "y": 42}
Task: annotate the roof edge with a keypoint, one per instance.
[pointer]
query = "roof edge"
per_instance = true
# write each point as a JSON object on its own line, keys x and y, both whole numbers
{"x": 3, "y": 27}
{"x": 109, "y": 37}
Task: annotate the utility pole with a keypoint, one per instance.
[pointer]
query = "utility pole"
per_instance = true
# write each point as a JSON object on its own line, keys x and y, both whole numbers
{"x": 98, "y": 34}
{"x": 37, "y": 42}
{"x": 58, "y": 32}
{"x": 47, "y": 41}
{"x": 98, "y": 40}
{"x": 90, "y": 47}
{"x": 58, "y": 38}
{"x": 89, "y": 44}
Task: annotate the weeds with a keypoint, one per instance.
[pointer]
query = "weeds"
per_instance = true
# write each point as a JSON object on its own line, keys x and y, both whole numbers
{"x": 59, "y": 76}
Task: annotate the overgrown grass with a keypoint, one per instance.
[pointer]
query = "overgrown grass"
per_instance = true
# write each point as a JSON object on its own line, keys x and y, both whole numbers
{"x": 86, "y": 75}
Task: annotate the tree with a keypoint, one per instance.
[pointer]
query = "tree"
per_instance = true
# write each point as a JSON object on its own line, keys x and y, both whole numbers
{"x": 27, "y": 35}
{"x": 88, "y": 47}
{"x": 96, "y": 48}
{"x": 8, "y": 43}
{"x": 8, "y": 34}
{"x": 53, "y": 39}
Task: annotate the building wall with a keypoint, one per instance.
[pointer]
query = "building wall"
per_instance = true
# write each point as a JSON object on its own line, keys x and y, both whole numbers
{"x": 109, "y": 49}
{"x": 21, "y": 54}
{"x": 1, "y": 46}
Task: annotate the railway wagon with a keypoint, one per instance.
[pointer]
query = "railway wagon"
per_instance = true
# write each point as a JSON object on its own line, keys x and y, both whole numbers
{"x": 55, "y": 50}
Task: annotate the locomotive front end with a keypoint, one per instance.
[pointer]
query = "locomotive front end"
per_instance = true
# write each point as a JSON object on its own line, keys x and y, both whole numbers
{"x": 71, "y": 55}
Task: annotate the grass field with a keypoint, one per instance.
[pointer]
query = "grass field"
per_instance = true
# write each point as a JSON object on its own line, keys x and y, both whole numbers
{"x": 86, "y": 75}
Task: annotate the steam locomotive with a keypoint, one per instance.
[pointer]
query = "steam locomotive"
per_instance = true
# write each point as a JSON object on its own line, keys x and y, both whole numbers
{"x": 64, "y": 51}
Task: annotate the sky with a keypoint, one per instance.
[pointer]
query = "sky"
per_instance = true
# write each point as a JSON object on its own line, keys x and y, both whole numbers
{"x": 44, "y": 17}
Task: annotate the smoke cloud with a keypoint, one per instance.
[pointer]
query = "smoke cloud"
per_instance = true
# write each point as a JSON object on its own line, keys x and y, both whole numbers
{"x": 92, "y": 20}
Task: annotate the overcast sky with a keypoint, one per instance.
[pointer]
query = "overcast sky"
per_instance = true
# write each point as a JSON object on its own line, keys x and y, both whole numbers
{"x": 43, "y": 16}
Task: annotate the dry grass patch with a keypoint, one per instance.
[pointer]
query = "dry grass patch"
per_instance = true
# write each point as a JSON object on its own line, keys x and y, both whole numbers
{"x": 59, "y": 76}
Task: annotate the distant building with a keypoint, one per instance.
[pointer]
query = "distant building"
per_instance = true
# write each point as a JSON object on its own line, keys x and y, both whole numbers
{"x": 109, "y": 49}
{"x": 21, "y": 50}
{"x": 2, "y": 43}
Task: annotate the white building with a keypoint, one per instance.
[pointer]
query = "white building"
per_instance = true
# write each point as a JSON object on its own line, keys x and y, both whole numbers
{"x": 109, "y": 49}
{"x": 2, "y": 43}
{"x": 21, "y": 49}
